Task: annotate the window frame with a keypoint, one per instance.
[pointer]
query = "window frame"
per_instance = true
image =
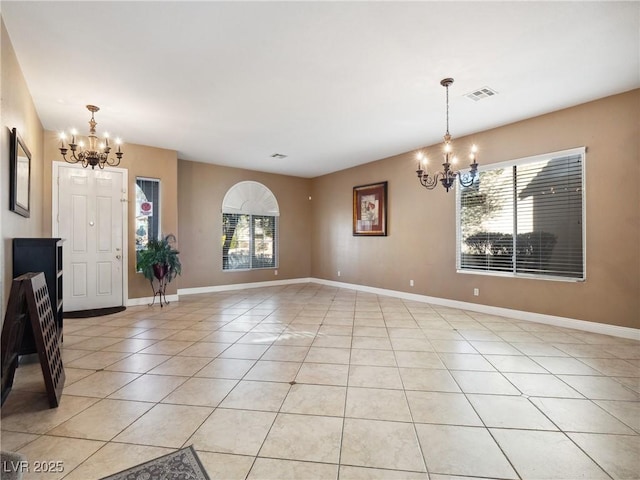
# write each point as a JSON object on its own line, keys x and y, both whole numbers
{"x": 514, "y": 273}
{"x": 156, "y": 210}
{"x": 252, "y": 243}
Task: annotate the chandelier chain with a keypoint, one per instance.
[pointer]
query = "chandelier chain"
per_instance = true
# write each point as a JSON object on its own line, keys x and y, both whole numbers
{"x": 447, "y": 88}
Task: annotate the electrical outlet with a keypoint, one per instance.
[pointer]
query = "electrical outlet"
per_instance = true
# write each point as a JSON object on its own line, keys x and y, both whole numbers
{"x": 411, "y": 283}
{"x": 476, "y": 292}
{"x": 275, "y": 272}
{"x": 338, "y": 272}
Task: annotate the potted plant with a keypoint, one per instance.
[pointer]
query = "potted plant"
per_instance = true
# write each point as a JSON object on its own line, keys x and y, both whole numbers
{"x": 160, "y": 261}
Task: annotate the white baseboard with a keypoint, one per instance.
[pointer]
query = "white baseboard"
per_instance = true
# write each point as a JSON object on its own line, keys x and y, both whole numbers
{"x": 602, "y": 328}
{"x": 134, "y": 302}
{"x": 241, "y": 286}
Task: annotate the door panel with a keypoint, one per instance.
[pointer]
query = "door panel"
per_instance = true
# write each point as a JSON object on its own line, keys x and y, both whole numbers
{"x": 78, "y": 280}
{"x": 79, "y": 222}
{"x": 104, "y": 279}
{"x": 91, "y": 222}
{"x": 104, "y": 224}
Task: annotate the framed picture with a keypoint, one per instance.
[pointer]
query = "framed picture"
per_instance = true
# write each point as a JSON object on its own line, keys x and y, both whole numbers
{"x": 20, "y": 175}
{"x": 370, "y": 209}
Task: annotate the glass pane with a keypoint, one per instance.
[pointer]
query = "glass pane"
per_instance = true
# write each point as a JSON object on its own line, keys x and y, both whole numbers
{"x": 236, "y": 242}
{"x": 147, "y": 223}
{"x": 264, "y": 251}
{"x": 549, "y": 217}
{"x": 486, "y": 222}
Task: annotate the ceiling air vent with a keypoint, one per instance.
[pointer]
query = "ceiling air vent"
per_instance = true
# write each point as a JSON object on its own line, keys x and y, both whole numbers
{"x": 278, "y": 155}
{"x": 480, "y": 93}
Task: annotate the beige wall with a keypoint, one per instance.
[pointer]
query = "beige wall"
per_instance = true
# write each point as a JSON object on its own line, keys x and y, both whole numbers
{"x": 202, "y": 188}
{"x": 18, "y": 111}
{"x": 140, "y": 161}
{"x": 422, "y": 233}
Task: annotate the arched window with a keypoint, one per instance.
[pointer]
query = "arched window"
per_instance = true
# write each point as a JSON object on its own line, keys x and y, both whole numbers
{"x": 249, "y": 227}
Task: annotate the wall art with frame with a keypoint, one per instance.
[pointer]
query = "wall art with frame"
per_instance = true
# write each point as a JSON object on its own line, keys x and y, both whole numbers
{"x": 370, "y": 209}
{"x": 19, "y": 175}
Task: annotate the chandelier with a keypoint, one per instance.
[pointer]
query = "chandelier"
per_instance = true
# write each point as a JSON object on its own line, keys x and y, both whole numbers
{"x": 447, "y": 176}
{"x": 95, "y": 153}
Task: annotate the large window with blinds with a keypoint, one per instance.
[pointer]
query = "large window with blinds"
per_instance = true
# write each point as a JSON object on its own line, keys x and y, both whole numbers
{"x": 249, "y": 227}
{"x": 248, "y": 241}
{"x": 525, "y": 218}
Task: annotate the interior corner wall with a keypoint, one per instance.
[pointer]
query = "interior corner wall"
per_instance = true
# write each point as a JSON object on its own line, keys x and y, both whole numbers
{"x": 201, "y": 189}
{"x": 421, "y": 241}
{"x": 18, "y": 111}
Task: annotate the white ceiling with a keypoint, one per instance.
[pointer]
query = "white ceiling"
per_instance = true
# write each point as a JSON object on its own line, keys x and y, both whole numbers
{"x": 330, "y": 84}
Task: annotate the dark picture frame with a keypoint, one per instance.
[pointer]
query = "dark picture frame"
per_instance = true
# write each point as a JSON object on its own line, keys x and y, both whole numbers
{"x": 19, "y": 175}
{"x": 370, "y": 210}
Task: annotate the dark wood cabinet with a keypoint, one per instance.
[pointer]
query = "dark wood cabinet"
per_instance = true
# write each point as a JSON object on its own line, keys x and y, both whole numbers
{"x": 40, "y": 255}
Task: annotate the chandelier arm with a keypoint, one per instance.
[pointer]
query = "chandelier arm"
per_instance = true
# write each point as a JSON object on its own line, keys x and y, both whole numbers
{"x": 429, "y": 181}
{"x": 466, "y": 179}
{"x": 72, "y": 159}
{"x": 112, "y": 161}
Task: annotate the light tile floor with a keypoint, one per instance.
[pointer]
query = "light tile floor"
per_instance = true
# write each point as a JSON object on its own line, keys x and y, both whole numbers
{"x": 311, "y": 382}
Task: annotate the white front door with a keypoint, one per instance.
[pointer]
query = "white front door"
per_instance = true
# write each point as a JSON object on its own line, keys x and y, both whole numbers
{"x": 91, "y": 221}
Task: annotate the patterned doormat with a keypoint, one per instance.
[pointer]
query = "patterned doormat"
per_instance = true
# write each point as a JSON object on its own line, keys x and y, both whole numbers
{"x": 183, "y": 464}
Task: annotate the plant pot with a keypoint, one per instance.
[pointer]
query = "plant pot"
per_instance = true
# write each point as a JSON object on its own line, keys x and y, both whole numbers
{"x": 160, "y": 270}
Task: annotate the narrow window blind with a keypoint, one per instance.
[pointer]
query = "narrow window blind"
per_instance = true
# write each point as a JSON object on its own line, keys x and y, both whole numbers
{"x": 525, "y": 218}
{"x": 147, "y": 214}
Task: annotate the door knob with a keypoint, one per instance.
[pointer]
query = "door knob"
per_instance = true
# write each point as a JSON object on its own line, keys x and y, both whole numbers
{"x": 118, "y": 257}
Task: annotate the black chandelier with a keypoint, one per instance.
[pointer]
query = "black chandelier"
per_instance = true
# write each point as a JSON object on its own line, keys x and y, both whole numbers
{"x": 447, "y": 176}
{"x": 96, "y": 153}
